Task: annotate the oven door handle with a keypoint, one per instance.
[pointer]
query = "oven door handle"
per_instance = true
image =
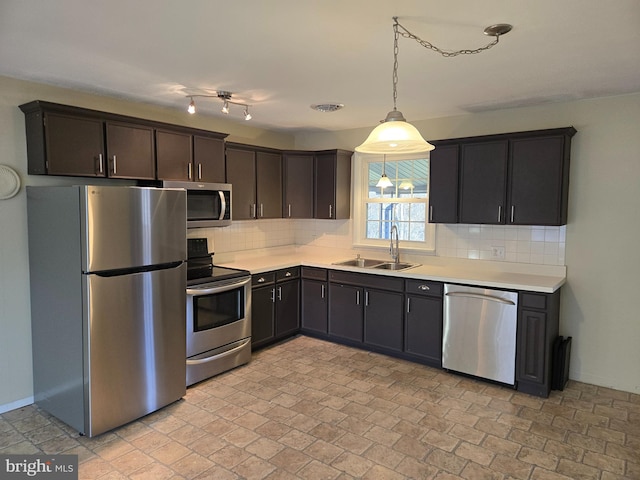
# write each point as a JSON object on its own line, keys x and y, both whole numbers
{"x": 198, "y": 292}
{"x": 219, "y": 356}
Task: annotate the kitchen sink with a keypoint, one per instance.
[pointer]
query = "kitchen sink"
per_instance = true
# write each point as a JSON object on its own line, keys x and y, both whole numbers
{"x": 395, "y": 266}
{"x": 360, "y": 262}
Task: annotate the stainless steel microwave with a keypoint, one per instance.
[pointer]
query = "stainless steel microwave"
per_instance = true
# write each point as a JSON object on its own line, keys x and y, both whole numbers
{"x": 208, "y": 204}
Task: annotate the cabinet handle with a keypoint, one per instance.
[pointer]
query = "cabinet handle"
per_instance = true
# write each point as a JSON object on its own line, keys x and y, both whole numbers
{"x": 280, "y": 294}
{"x": 273, "y": 295}
{"x": 357, "y": 297}
{"x": 322, "y": 291}
{"x": 366, "y": 299}
{"x": 330, "y": 211}
{"x": 499, "y": 213}
{"x": 430, "y": 213}
{"x": 252, "y": 210}
{"x": 261, "y": 210}
{"x": 424, "y": 288}
{"x": 288, "y": 274}
{"x": 408, "y": 304}
{"x": 199, "y": 171}
{"x": 289, "y": 210}
{"x": 189, "y": 171}
{"x": 261, "y": 280}
{"x": 115, "y": 165}
{"x": 513, "y": 212}
{"x": 100, "y": 163}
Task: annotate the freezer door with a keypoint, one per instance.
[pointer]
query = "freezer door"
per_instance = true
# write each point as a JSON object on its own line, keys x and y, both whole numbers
{"x": 128, "y": 227}
{"x": 136, "y": 343}
{"x": 479, "y": 332}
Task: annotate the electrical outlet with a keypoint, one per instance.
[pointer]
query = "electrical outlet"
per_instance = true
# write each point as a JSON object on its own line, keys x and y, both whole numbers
{"x": 497, "y": 252}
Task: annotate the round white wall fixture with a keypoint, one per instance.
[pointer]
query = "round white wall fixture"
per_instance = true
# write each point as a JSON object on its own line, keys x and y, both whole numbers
{"x": 9, "y": 182}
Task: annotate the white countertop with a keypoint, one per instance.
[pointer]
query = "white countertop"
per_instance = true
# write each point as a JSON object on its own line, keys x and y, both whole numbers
{"x": 534, "y": 278}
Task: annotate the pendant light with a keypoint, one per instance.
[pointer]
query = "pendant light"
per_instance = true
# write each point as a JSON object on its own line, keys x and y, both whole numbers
{"x": 395, "y": 134}
{"x": 384, "y": 180}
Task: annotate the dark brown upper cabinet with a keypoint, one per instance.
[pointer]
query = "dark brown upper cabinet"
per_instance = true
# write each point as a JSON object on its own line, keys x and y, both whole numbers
{"x": 514, "y": 179}
{"x": 298, "y": 185}
{"x": 443, "y": 184}
{"x": 208, "y": 159}
{"x": 332, "y": 184}
{"x": 483, "y": 179}
{"x": 256, "y": 176}
{"x": 74, "y": 141}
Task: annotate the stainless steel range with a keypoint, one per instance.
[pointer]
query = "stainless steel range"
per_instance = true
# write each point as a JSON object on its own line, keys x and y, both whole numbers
{"x": 218, "y": 315}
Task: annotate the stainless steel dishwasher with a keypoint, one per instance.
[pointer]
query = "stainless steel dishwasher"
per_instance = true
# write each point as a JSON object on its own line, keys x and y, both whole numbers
{"x": 479, "y": 332}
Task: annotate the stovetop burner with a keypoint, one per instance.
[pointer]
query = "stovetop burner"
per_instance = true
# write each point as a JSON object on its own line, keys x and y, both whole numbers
{"x": 200, "y": 267}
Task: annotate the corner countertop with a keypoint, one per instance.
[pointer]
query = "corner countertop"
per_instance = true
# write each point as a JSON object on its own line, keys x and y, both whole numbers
{"x": 510, "y": 276}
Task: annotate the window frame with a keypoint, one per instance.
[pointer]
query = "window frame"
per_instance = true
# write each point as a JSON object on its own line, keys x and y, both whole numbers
{"x": 361, "y": 198}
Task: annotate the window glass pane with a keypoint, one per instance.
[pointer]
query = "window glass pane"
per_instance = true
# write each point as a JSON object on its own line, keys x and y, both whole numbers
{"x": 373, "y": 211}
{"x": 418, "y": 212}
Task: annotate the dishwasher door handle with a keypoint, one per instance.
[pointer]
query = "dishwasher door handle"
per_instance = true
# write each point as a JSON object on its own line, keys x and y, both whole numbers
{"x": 480, "y": 296}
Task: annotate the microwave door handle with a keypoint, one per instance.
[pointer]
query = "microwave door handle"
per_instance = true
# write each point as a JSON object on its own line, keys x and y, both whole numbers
{"x": 223, "y": 205}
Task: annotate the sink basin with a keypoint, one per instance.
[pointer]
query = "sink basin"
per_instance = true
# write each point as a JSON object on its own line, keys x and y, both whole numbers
{"x": 359, "y": 262}
{"x": 395, "y": 266}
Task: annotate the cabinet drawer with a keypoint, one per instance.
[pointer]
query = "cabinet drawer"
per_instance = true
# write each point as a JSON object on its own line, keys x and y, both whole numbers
{"x": 287, "y": 274}
{"x": 532, "y": 300}
{"x": 263, "y": 279}
{"x": 367, "y": 280}
{"x": 423, "y": 287}
{"x": 314, "y": 273}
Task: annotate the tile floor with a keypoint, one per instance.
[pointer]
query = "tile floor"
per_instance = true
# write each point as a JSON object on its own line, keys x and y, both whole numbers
{"x": 308, "y": 409}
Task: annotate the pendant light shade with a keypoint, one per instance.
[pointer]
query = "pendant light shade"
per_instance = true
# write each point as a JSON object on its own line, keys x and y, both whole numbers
{"x": 395, "y": 135}
{"x": 384, "y": 182}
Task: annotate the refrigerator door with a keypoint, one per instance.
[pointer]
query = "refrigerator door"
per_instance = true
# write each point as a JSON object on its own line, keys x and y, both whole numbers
{"x": 128, "y": 227}
{"x": 136, "y": 338}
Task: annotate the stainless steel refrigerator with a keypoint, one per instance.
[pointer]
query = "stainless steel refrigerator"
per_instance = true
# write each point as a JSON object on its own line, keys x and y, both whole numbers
{"x": 108, "y": 279}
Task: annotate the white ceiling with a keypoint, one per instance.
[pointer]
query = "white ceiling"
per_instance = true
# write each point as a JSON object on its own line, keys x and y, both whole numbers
{"x": 281, "y": 56}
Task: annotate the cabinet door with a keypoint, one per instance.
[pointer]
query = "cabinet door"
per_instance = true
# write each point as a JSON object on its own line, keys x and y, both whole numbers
{"x": 173, "y": 155}
{"x": 208, "y": 159}
{"x": 383, "y": 319}
{"x": 443, "y": 184}
{"x": 262, "y": 314}
{"x": 536, "y": 181}
{"x": 483, "y": 180}
{"x": 532, "y": 348}
{"x": 298, "y": 186}
{"x": 314, "y": 305}
{"x": 130, "y": 151}
{"x": 287, "y": 308}
{"x": 269, "y": 185}
{"x": 332, "y": 185}
{"x": 74, "y": 145}
{"x": 423, "y": 328}
{"x": 345, "y": 312}
{"x": 241, "y": 173}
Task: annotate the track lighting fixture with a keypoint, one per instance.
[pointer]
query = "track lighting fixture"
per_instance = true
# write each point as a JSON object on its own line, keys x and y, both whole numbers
{"x": 225, "y": 97}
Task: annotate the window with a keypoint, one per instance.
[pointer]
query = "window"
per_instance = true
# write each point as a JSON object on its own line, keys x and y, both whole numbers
{"x": 404, "y": 204}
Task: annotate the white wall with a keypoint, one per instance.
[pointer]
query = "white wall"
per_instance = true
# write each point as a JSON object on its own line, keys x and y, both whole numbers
{"x": 15, "y": 317}
{"x": 602, "y": 255}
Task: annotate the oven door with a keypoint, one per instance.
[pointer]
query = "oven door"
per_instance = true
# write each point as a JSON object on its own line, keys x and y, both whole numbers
{"x": 218, "y": 314}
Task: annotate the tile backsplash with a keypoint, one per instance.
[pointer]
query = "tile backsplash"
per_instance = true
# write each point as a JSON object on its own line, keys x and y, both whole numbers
{"x": 530, "y": 244}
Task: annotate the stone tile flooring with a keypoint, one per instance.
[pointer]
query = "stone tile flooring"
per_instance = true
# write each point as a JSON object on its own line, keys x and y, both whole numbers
{"x": 308, "y": 409}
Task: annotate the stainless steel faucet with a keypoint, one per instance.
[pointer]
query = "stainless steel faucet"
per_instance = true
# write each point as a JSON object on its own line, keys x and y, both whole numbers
{"x": 394, "y": 251}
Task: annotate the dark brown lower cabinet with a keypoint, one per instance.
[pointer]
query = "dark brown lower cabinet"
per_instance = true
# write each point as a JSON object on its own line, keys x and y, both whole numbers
{"x": 345, "y": 312}
{"x": 383, "y": 319}
{"x": 423, "y": 321}
{"x": 538, "y": 325}
{"x": 315, "y": 308}
{"x": 275, "y": 306}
